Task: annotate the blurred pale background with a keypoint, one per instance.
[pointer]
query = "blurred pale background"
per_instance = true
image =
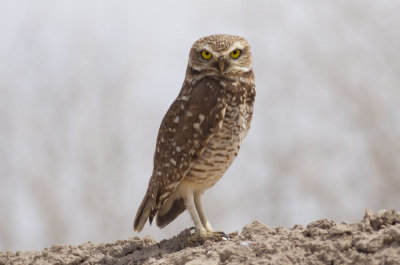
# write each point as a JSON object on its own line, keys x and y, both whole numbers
{"x": 84, "y": 86}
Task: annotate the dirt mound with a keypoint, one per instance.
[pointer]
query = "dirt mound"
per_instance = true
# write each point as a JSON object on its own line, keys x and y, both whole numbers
{"x": 374, "y": 240}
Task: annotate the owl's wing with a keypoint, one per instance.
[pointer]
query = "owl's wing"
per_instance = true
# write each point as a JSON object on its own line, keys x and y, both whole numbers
{"x": 192, "y": 120}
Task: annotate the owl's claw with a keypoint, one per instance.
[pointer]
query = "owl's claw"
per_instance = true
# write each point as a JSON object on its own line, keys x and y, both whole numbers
{"x": 221, "y": 235}
{"x": 200, "y": 238}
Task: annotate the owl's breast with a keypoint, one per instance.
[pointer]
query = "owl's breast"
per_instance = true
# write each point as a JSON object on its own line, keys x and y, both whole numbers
{"x": 223, "y": 148}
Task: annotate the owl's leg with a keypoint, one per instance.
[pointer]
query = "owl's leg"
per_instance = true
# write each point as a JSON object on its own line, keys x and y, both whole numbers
{"x": 200, "y": 211}
{"x": 190, "y": 205}
{"x": 202, "y": 226}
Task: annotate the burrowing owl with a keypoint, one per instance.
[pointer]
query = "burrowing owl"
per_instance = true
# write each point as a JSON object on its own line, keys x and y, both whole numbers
{"x": 201, "y": 133}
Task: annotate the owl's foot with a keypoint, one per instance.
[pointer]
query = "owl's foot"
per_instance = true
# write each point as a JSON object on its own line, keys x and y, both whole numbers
{"x": 199, "y": 238}
{"x": 221, "y": 236}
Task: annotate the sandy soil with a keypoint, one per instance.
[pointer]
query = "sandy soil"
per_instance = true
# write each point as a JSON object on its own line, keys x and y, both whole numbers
{"x": 374, "y": 240}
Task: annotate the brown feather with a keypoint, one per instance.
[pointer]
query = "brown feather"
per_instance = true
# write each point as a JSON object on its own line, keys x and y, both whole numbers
{"x": 175, "y": 134}
{"x": 176, "y": 209}
{"x": 146, "y": 208}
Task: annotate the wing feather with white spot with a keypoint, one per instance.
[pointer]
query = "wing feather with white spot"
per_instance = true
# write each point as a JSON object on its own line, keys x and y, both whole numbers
{"x": 192, "y": 120}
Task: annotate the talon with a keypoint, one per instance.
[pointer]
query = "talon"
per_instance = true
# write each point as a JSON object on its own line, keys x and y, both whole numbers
{"x": 198, "y": 238}
{"x": 221, "y": 235}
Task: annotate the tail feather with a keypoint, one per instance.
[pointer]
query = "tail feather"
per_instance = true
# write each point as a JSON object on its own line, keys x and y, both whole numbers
{"x": 176, "y": 209}
{"x": 145, "y": 211}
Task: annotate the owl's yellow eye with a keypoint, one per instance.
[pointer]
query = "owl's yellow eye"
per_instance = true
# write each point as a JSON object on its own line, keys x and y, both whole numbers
{"x": 206, "y": 55}
{"x": 235, "y": 54}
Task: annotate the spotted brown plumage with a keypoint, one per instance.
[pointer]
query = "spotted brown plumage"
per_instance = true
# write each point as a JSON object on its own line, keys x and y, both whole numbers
{"x": 201, "y": 133}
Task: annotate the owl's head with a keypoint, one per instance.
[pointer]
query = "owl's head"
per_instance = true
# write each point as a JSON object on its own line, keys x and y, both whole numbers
{"x": 225, "y": 55}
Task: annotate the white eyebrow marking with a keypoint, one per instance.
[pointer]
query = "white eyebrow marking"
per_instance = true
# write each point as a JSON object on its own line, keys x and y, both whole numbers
{"x": 235, "y": 46}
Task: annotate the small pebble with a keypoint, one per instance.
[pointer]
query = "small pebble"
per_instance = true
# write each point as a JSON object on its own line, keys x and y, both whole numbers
{"x": 246, "y": 243}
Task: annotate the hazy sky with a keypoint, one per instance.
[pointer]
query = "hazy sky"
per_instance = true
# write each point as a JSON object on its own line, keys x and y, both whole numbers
{"x": 84, "y": 86}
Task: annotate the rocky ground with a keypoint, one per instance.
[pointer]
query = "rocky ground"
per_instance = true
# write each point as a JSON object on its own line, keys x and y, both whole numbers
{"x": 374, "y": 240}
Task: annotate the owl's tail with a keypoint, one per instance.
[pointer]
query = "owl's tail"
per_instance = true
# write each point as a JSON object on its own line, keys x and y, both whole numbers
{"x": 170, "y": 212}
{"x": 145, "y": 211}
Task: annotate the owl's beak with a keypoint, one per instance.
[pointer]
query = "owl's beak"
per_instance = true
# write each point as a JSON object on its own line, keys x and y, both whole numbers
{"x": 222, "y": 64}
